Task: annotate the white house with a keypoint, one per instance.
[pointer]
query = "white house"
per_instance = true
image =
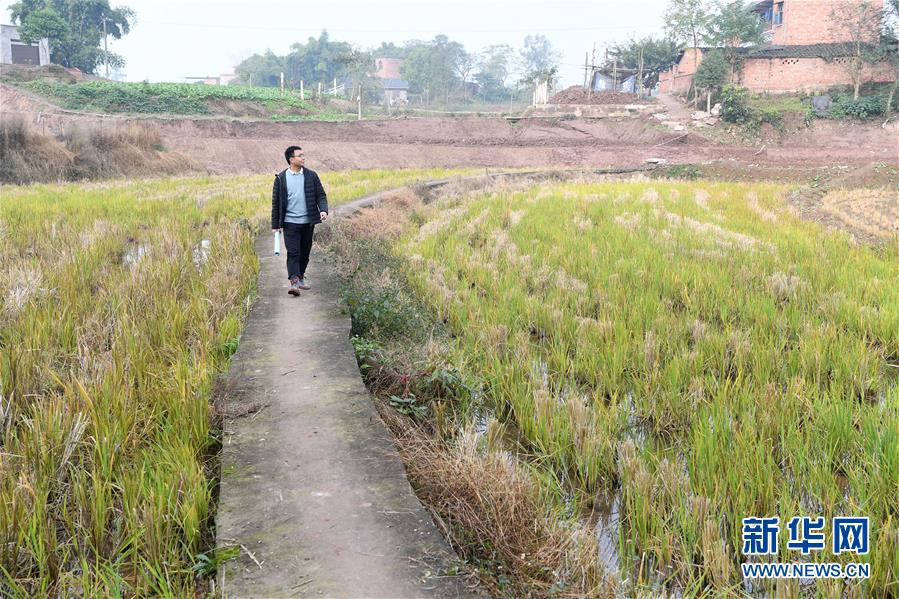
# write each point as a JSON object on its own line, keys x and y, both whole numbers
{"x": 15, "y": 51}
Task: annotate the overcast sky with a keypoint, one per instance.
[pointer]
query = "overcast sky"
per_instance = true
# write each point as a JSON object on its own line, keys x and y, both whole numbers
{"x": 172, "y": 40}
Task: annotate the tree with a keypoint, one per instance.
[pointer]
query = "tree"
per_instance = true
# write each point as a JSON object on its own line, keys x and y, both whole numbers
{"x": 433, "y": 68}
{"x": 494, "y": 66}
{"x": 658, "y": 54}
{"x": 688, "y": 21}
{"x": 465, "y": 64}
{"x": 712, "y": 73}
{"x": 860, "y": 24}
{"x": 78, "y": 44}
{"x": 318, "y": 60}
{"x": 263, "y": 70}
{"x": 359, "y": 65}
{"x": 539, "y": 60}
{"x": 43, "y": 23}
{"x": 390, "y": 50}
{"x": 732, "y": 25}
{"x": 889, "y": 47}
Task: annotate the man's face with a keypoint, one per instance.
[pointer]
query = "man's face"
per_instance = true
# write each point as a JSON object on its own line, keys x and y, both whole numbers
{"x": 298, "y": 159}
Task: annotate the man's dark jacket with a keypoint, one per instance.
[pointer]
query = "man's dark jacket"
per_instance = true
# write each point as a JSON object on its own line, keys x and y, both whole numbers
{"x": 316, "y": 199}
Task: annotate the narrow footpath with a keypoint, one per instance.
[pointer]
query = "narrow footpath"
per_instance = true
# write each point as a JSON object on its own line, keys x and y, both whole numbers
{"x": 313, "y": 491}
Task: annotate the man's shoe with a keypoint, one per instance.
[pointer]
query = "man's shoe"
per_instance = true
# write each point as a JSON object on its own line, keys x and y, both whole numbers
{"x": 304, "y": 284}
{"x": 294, "y": 286}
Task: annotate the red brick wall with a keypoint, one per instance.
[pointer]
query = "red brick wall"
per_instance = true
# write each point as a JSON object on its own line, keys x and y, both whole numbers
{"x": 805, "y": 22}
{"x": 689, "y": 62}
{"x": 680, "y": 76}
{"x": 669, "y": 83}
{"x": 388, "y": 68}
{"x": 808, "y": 22}
{"x": 782, "y": 75}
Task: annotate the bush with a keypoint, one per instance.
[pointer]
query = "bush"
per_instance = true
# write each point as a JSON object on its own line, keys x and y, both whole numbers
{"x": 843, "y": 106}
{"x": 735, "y": 105}
{"x": 771, "y": 116}
{"x": 736, "y": 108}
{"x": 684, "y": 171}
{"x": 377, "y": 295}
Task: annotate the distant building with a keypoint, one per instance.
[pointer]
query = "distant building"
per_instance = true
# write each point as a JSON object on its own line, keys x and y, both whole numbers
{"x": 802, "y": 53}
{"x": 223, "y": 79}
{"x": 388, "y": 68}
{"x": 387, "y": 72}
{"x": 396, "y": 91}
{"x": 14, "y": 51}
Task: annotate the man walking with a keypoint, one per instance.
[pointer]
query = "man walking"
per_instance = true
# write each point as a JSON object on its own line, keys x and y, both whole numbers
{"x": 299, "y": 203}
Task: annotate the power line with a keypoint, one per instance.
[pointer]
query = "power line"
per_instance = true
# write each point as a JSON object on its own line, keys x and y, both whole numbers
{"x": 418, "y": 30}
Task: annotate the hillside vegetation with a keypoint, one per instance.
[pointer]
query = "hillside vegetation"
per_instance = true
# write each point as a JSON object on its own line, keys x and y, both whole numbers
{"x": 103, "y": 96}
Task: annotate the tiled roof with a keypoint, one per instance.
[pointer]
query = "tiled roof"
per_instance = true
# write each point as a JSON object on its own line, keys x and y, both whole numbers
{"x": 395, "y": 84}
{"x": 825, "y": 51}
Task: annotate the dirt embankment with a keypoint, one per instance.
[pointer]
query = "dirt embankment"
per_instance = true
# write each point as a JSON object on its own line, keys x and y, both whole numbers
{"x": 576, "y": 94}
{"x": 493, "y": 142}
{"x": 240, "y": 146}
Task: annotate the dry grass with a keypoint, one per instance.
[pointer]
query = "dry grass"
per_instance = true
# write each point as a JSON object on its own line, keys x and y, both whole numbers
{"x": 873, "y": 211}
{"x": 84, "y": 152}
{"x": 491, "y": 508}
{"x": 388, "y": 219}
{"x": 869, "y": 214}
{"x": 25, "y": 156}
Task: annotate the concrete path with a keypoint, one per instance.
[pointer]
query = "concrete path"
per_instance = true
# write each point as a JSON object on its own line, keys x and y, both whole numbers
{"x": 677, "y": 110}
{"x": 312, "y": 487}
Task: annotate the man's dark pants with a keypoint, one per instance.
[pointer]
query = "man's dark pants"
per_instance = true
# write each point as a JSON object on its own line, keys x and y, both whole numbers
{"x": 298, "y": 241}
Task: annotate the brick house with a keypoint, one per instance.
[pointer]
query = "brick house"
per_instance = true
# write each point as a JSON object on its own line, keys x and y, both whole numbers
{"x": 387, "y": 73}
{"x": 802, "y": 53}
{"x": 388, "y": 68}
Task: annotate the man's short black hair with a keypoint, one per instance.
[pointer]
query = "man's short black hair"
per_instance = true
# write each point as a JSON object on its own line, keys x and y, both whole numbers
{"x": 289, "y": 152}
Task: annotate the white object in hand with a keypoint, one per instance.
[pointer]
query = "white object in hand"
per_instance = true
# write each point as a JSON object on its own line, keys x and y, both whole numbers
{"x": 277, "y": 243}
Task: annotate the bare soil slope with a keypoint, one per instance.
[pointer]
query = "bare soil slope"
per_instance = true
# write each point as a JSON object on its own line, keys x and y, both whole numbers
{"x": 240, "y": 146}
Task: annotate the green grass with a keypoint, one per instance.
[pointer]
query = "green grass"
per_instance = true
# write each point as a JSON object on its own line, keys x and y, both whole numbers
{"x": 114, "y": 324}
{"x": 692, "y": 348}
{"x": 781, "y": 103}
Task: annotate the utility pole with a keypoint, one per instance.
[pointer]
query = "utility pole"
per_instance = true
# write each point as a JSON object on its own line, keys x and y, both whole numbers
{"x": 615, "y": 74}
{"x": 640, "y": 76}
{"x": 105, "y": 48}
{"x": 585, "y": 69}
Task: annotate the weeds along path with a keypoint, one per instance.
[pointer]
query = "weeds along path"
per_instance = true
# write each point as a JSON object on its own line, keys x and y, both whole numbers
{"x": 312, "y": 490}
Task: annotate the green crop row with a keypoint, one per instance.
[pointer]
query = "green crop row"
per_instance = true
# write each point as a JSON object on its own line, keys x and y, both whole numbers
{"x": 172, "y": 98}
